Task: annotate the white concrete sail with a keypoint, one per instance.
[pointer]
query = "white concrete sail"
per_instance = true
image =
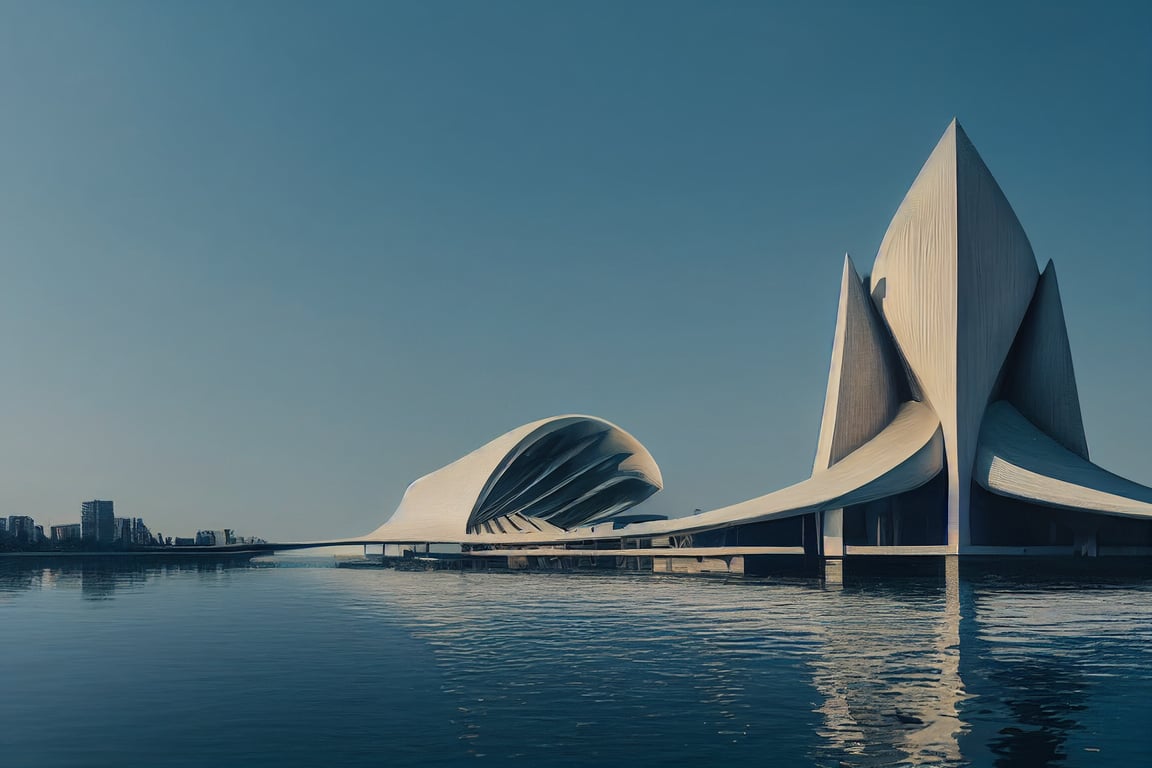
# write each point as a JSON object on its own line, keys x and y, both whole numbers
{"x": 1016, "y": 459}
{"x": 1039, "y": 379}
{"x": 863, "y": 388}
{"x": 953, "y": 279}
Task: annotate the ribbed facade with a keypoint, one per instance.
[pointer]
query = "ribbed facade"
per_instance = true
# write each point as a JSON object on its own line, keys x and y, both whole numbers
{"x": 1018, "y": 460}
{"x": 863, "y": 389}
{"x": 1039, "y": 379}
{"x": 538, "y": 480}
{"x": 953, "y": 279}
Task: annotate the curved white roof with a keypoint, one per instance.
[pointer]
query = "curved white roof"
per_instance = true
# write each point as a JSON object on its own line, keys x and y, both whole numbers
{"x": 573, "y": 467}
{"x": 906, "y": 454}
{"x": 1018, "y": 460}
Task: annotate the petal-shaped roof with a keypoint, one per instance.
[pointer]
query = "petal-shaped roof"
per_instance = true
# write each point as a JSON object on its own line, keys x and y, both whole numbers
{"x": 864, "y": 380}
{"x": 1016, "y": 459}
{"x": 953, "y": 279}
{"x": 1039, "y": 379}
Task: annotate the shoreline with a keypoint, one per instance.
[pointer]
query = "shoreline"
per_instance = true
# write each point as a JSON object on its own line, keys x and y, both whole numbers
{"x": 157, "y": 554}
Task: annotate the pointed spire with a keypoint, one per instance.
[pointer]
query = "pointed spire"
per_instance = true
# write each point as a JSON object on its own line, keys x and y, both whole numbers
{"x": 953, "y": 279}
{"x": 863, "y": 382}
{"x": 1039, "y": 378}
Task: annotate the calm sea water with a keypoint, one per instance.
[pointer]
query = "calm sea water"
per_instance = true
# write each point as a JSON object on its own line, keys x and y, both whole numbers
{"x": 263, "y": 664}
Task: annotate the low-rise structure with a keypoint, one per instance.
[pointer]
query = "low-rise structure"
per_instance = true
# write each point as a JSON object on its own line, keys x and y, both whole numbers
{"x": 66, "y": 532}
{"x": 219, "y": 538}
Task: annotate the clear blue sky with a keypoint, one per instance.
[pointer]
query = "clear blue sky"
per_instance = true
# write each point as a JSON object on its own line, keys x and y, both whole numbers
{"x": 263, "y": 264}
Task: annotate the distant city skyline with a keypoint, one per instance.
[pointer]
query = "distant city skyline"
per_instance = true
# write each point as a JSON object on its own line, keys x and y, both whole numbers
{"x": 100, "y": 530}
{"x": 265, "y": 264}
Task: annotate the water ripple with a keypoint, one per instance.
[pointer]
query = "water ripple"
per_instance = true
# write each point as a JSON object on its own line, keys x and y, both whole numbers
{"x": 355, "y": 667}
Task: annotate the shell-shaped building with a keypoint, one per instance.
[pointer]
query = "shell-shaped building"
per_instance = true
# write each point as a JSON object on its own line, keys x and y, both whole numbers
{"x": 537, "y": 481}
{"x": 951, "y": 421}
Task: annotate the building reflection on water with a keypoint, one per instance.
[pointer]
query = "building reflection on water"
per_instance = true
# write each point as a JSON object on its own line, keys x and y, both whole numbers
{"x": 1044, "y": 697}
{"x": 947, "y": 670}
{"x": 1012, "y": 668}
{"x": 100, "y": 578}
{"x": 1043, "y": 658}
{"x": 892, "y": 688}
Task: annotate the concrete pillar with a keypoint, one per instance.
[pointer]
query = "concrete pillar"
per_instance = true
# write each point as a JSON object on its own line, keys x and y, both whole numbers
{"x": 832, "y": 533}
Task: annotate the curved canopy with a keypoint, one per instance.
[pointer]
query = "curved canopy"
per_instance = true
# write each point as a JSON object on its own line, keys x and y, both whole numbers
{"x": 906, "y": 454}
{"x": 1017, "y": 460}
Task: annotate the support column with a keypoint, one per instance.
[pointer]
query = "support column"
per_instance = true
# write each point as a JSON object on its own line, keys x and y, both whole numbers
{"x": 832, "y": 533}
{"x": 832, "y": 546}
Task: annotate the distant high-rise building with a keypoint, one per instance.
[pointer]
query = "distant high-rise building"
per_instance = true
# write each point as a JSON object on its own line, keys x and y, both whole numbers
{"x": 123, "y": 530}
{"x": 68, "y": 532}
{"x": 140, "y": 532}
{"x": 3, "y": 525}
{"x": 97, "y": 521}
{"x": 22, "y": 528}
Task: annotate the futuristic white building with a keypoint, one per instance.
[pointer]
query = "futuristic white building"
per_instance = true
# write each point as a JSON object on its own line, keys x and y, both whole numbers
{"x": 951, "y": 423}
{"x": 539, "y": 481}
